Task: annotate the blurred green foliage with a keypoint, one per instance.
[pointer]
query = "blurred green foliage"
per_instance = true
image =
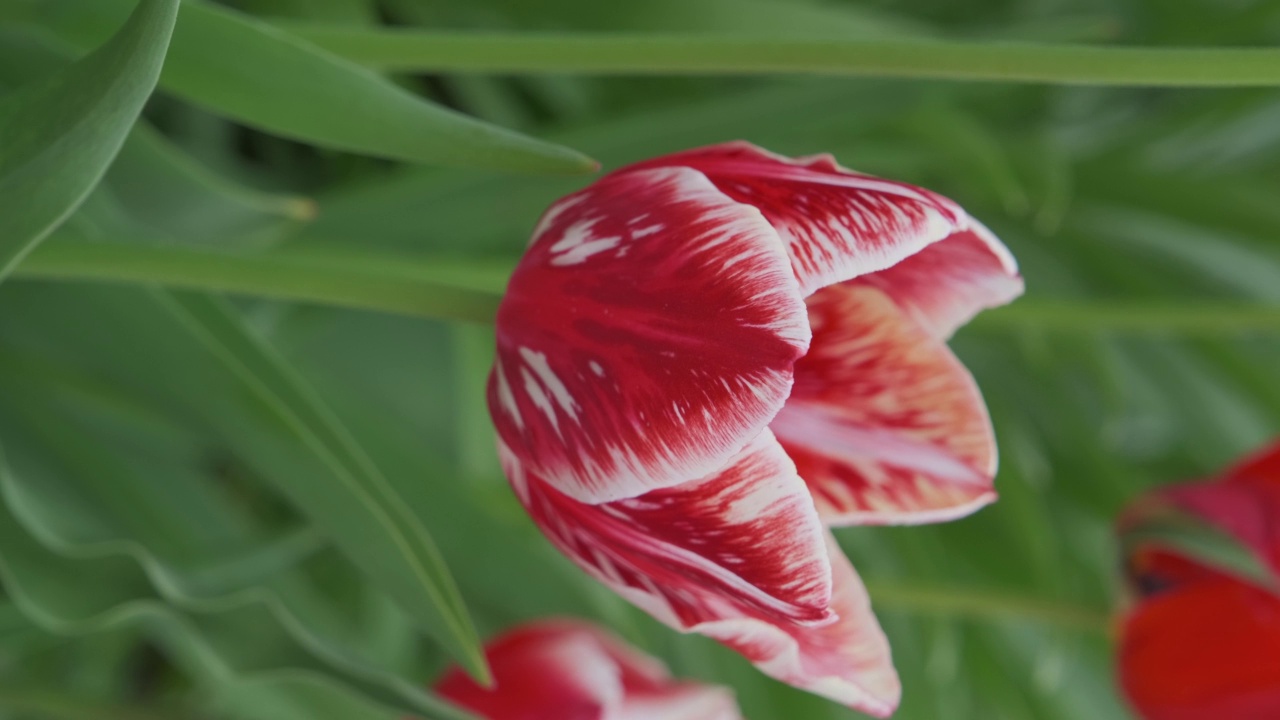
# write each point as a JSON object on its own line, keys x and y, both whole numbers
{"x": 252, "y": 508}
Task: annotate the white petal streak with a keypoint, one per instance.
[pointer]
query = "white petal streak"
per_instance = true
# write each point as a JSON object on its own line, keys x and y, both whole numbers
{"x": 648, "y": 334}
{"x": 538, "y": 363}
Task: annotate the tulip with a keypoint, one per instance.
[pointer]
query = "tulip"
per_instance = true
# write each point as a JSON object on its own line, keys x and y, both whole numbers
{"x": 1203, "y": 640}
{"x": 707, "y": 359}
{"x": 567, "y": 670}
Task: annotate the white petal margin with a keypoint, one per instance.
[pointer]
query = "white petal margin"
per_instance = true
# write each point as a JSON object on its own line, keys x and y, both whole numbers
{"x": 837, "y": 223}
{"x": 650, "y": 693}
{"x": 945, "y": 285}
{"x": 848, "y": 661}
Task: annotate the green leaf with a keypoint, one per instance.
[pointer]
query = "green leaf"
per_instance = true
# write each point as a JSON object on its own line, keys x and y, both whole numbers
{"x": 113, "y": 478}
{"x": 61, "y": 133}
{"x": 1148, "y": 317}
{"x": 312, "y": 95}
{"x": 52, "y": 704}
{"x": 670, "y": 53}
{"x": 244, "y": 589}
{"x": 738, "y": 17}
{"x": 51, "y": 591}
{"x": 958, "y": 602}
{"x": 170, "y": 193}
{"x": 156, "y": 183}
{"x": 27, "y": 57}
{"x": 355, "y": 504}
{"x": 296, "y": 696}
{"x": 66, "y": 597}
{"x": 457, "y": 290}
{"x": 353, "y": 11}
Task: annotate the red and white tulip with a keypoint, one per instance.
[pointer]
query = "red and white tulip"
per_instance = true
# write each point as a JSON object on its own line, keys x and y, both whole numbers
{"x": 568, "y": 670}
{"x": 1203, "y": 640}
{"x": 707, "y": 359}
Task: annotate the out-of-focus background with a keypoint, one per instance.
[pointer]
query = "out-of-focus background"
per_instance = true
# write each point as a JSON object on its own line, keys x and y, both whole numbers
{"x": 245, "y": 507}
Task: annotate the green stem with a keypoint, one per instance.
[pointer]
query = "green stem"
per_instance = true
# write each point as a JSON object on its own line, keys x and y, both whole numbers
{"x": 618, "y": 53}
{"x": 988, "y": 606}
{"x": 470, "y": 291}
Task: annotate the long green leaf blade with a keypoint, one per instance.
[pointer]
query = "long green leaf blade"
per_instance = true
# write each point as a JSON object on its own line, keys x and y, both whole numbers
{"x": 73, "y": 597}
{"x": 169, "y": 192}
{"x": 677, "y": 54}
{"x": 354, "y": 503}
{"x": 58, "y": 136}
{"x": 459, "y": 291}
{"x": 313, "y": 95}
{"x": 242, "y": 585}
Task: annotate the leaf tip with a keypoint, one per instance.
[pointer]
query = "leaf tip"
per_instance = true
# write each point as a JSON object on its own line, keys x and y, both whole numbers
{"x": 578, "y": 163}
{"x": 477, "y": 666}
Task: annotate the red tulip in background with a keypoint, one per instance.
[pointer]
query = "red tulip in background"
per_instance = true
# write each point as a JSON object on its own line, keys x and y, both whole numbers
{"x": 1203, "y": 640}
{"x": 566, "y": 670}
{"x": 706, "y": 359}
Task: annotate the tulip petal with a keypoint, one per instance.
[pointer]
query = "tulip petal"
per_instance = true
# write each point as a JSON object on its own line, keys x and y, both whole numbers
{"x": 838, "y": 224}
{"x": 647, "y": 335}
{"x": 748, "y": 533}
{"x": 835, "y": 649}
{"x": 1245, "y": 503}
{"x": 1203, "y": 650}
{"x": 540, "y": 672}
{"x": 847, "y": 661}
{"x": 686, "y": 701}
{"x": 650, "y": 693}
{"x": 1152, "y": 569}
{"x": 945, "y": 285}
{"x": 884, "y": 423}
{"x": 567, "y": 670}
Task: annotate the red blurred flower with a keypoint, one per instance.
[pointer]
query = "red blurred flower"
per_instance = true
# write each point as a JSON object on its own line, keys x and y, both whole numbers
{"x": 566, "y": 670}
{"x": 1203, "y": 640}
{"x": 706, "y": 359}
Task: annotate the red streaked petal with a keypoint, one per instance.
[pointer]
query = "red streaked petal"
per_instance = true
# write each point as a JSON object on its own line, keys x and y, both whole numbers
{"x": 884, "y": 423}
{"x": 1245, "y": 502}
{"x": 944, "y": 285}
{"x": 1206, "y": 650}
{"x": 836, "y": 649}
{"x": 650, "y": 694}
{"x": 1152, "y": 569}
{"x": 568, "y": 670}
{"x": 838, "y": 224}
{"x": 847, "y": 661}
{"x": 540, "y": 673}
{"x": 748, "y": 534}
{"x": 647, "y": 335}
{"x": 1249, "y": 512}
